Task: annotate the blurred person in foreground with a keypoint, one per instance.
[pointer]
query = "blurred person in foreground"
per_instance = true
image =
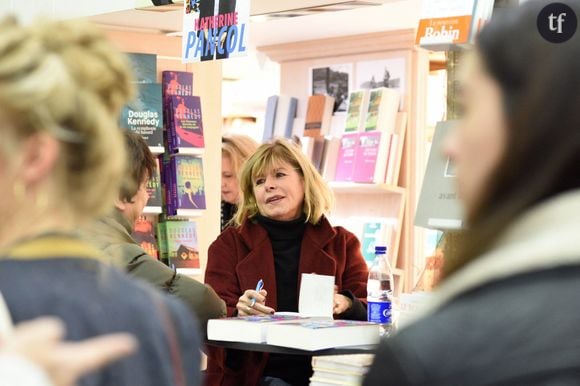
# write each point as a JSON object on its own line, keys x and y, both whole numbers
{"x": 236, "y": 149}
{"x": 507, "y": 310}
{"x": 281, "y": 232}
{"x": 112, "y": 235}
{"x": 62, "y": 85}
{"x": 34, "y": 354}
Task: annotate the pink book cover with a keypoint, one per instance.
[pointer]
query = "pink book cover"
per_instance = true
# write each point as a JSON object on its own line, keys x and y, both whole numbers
{"x": 367, "y": 156}
{"x": 346, "y": 157}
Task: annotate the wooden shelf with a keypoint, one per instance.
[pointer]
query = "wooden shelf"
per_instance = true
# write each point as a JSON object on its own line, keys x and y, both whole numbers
{"x": 359, "y": 188}
{"x": 187, "y": 213}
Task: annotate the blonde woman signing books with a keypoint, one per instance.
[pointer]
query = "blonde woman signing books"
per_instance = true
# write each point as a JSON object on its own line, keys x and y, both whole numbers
{"x": 280, "y": 232}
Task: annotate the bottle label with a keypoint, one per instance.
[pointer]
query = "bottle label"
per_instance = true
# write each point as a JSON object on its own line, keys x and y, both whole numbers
{"x": 379, "y": 312}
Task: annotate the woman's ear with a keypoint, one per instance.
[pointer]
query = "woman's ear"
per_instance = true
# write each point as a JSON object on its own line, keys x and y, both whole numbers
{"x": 121, "y": 205}
{"x": 39, "y": 155}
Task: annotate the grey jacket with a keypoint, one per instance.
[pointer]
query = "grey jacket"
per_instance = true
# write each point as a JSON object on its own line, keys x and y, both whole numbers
{"x": 112, "y": 235}
{"x": 510, "y": 317}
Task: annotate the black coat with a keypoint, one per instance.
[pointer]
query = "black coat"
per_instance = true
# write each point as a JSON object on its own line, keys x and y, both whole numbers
{"x": 512, "y": 317}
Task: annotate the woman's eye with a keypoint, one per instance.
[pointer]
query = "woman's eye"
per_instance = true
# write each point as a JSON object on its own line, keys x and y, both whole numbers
{"x": 259, "y": 181}
{"x": 280, "y": 175}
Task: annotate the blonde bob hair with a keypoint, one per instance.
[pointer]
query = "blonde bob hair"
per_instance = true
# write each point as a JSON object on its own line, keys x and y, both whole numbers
{"x": 238, "y": 148}
{"x": 318, "y": 198}
{"x": 67, "y": 80}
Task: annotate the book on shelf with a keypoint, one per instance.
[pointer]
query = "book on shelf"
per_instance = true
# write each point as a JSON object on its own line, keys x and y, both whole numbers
{"x": 184, "y": 184}
{"x": 313, "y": 147}
{"x": 346, "y": 159}
{"x": 162, "y": 242}
{"x": 285, "y": 114}
{"x": 358, "y": 102}
{"x": 176, "y": 83}
{"x": 144, "y": 115}
{"x": 330, "y": 158}
{"x": 382, "y": 110}
{"x": 182, "y": 246}
{"x": 372, "y": 155}
{"x": 144, "y": 235}
{"x": 270, "y": 118}
{"x": 318, "y": 115}
{"x": 144, "y": 67}
{"x": 247, "y": 329}
{"x": 396, "y": 150}
{"x": 378, "y": 231}
{"x": 154, "y": 190}
{"x": 318, "y": 334}
{"x": 184, "y": 124}
{"x": 438, "y": 206}
{"x": 451, "y": 22}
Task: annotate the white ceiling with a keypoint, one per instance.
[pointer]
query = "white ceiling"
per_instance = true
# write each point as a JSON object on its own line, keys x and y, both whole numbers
{"x": 389, "y": 16}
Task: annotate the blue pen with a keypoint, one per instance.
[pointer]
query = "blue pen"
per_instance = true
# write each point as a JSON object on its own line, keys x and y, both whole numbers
{"x": 259, "y": 287}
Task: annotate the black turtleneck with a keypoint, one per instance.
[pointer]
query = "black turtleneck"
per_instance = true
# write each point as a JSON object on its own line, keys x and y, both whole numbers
{"x": 286, "y": 239}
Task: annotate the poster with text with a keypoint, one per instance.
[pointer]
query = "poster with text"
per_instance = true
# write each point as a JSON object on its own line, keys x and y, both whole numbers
{"x": 215, "y": 29}
{"x": 334, "y": 81}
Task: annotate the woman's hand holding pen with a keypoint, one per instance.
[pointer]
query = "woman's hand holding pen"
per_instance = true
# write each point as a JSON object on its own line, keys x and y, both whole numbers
{"x": 253, "y": 302}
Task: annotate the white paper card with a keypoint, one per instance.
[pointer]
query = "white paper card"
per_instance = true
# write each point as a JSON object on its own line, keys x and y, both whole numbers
{"x": 316, "y": 296}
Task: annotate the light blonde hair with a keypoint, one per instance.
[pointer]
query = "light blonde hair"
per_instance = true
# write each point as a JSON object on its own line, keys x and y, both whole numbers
{"x": 318, "y": 198}
{"x": 67, "y": 80}
{"x": 238, "y": 148}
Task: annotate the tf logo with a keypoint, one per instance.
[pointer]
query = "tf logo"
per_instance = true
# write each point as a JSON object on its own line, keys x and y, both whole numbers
{"x": 557, "y": 22}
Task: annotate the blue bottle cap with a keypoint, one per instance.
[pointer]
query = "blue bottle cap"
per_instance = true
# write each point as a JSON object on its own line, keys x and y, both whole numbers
{"x": 380, "y": 250}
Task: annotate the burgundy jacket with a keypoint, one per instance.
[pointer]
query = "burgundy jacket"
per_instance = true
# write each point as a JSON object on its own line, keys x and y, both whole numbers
{"x": 241, "y": 256}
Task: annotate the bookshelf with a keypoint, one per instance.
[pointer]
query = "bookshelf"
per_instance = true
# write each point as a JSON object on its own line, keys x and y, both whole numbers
{"x": 399, "y": 199}
{"x": 207, "y": 78}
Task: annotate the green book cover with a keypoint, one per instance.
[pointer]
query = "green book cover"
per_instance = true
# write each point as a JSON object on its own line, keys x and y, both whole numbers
{"x": 373, "y": 111}
{"x": 353, "y": 114}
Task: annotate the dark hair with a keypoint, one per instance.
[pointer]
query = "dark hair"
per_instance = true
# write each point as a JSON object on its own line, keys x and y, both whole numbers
{"x": 140, "y": 165}
{"x": 539, "y": 82}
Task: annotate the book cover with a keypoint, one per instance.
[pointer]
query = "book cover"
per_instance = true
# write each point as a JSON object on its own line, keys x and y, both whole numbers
{"x": 144, "y": 235}
{"x": 318, "y": 115}
{"x": 285, "y": 114}
{"x": 144, "y": 116}
{"x": 182, "y": 244}
{"x": 357, "y": 108}
{"x": 377, "y": 232}
{"x": 186, "y": 189}
{"x": 382, "y": 110}
{"x": 249, "y": 329}
{"x": 176, "y": 83}
{"x": 269, "y": 120}
{"x": 184, "y": 124}
{"x": 396, "y": 150}
{"x": 438, "y": 206}
{"x": 154, "y": 190}
{"x": 162, "y": 242}
{"x": 318, "y": 334}
{"x": 346, "y": 157}
{"x": 371, "y": 157}
{"x": 144, "y": 67}
{"x": 330, "y": 158}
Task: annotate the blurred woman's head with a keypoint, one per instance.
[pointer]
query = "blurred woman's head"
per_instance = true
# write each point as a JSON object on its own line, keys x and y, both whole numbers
{"x": 519, "y": 140}
{"x": 281, "y": 183}
{"x": 62, "y": 85}
{"x": 235, "y": 151}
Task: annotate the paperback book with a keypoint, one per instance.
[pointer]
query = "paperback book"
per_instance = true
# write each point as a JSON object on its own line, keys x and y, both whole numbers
{"x": 356, "y": 113}
{"x": 144, "y": 235}
{"x": 184, "y": 124}
{"x": 182, "y": 246}
{"x": 144, "y": 116}
{"x": 184, "y": 184}
{"x": 248, "y": 329}
{"x": 176, "y": 83}
{"x": 318, "y": 115}
{"x": 144, "y": 67}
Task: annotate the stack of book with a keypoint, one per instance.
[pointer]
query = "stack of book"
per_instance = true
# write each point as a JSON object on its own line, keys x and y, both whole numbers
{"x": 346, "y": 370}
{"x": 294, "y": 331}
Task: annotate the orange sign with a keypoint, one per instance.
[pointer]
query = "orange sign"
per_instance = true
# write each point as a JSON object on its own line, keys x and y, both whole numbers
{"x": 452, "y": 30}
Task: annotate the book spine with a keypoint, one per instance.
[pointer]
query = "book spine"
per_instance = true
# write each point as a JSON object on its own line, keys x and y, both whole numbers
{"x": 270, "y": 118}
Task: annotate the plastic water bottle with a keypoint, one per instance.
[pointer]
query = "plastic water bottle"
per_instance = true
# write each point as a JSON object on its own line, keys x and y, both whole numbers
{"x": 380, "y": 292}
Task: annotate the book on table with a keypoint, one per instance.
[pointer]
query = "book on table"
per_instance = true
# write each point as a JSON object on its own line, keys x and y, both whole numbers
{"x": 247, "y": 329}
